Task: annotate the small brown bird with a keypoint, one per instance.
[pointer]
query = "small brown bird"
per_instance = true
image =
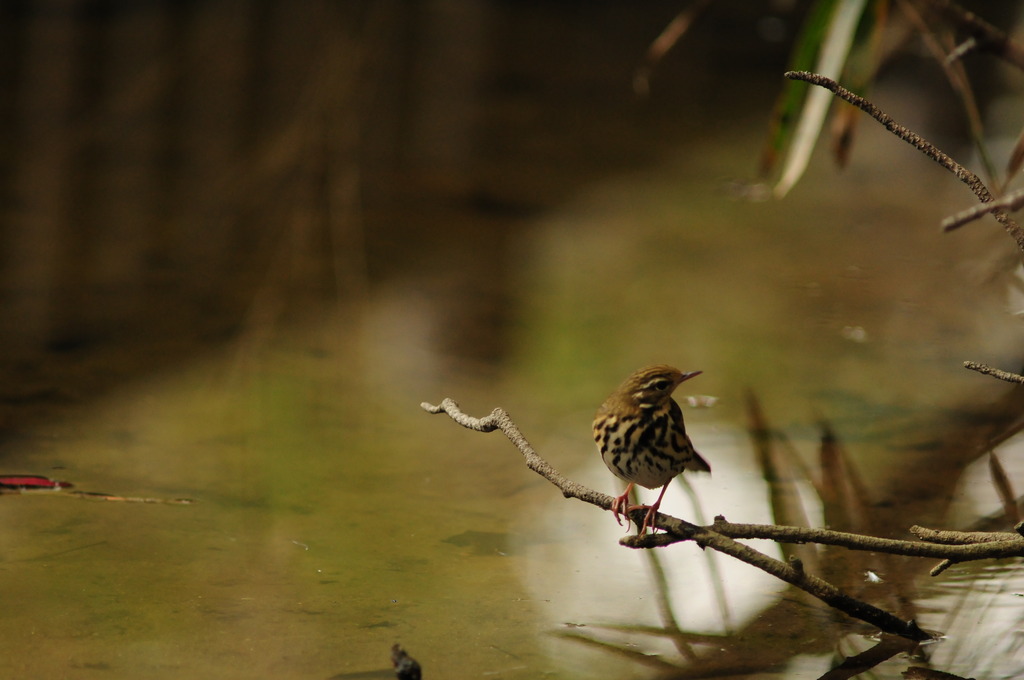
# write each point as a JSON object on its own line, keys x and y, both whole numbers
{"x": 640, "y": 433}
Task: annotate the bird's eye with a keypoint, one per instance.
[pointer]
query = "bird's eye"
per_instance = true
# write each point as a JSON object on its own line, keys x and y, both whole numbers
{"x": 662, "y": 385}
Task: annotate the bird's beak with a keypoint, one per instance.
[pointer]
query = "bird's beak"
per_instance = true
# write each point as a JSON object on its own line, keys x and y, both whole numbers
{"x": 691, "y": 374}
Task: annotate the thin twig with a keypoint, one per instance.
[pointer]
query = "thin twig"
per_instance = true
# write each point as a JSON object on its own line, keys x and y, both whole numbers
{"x": 941, "y": 567}
{"x": 668, "y": 38}
{"x": 994, "y": 372}
{"x": 964, "y": 547}
{"x": 987, "y": 37}
{"x": 948, "y": 537}
{"x": 500, "y": 420}
{"x": 956, "y": 74}
{"x": 961, "y": 51}
{"x": 1011, "y": 202}
{"x": 978, "y": 545}
{"x": 918, "y": 142}
{"x": 792, "y": 573}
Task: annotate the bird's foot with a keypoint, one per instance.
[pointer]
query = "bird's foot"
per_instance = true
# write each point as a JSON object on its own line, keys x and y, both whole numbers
{"x": 652, "y": 512}
{"x": 620, "y": 507}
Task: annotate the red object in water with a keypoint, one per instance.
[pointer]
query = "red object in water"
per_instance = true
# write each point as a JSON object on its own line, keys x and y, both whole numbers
{"x": 31, "y": 482}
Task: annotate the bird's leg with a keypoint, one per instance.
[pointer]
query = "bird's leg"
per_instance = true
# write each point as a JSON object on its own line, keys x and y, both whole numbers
{"x": 652, "y": 510}
{"x": 620, "y": 505}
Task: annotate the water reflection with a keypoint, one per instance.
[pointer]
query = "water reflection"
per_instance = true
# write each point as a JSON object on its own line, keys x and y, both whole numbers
{"x": 979, "y": 608}
{"x": 589, "y": 543}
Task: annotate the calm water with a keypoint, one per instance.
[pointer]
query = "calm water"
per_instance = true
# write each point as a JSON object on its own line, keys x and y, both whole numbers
{"x": 242, "y": 243}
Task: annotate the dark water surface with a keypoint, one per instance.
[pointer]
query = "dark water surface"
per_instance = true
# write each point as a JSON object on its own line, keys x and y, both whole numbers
{"x": 242, "y": 241}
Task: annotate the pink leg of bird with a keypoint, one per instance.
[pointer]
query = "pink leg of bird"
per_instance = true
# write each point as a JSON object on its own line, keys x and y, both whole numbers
{"x": 620, "y": 505}
{"x": 652, "y": 510}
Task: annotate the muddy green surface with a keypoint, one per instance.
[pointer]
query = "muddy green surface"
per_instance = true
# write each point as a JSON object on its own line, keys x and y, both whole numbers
{"x": 243, "y": 241}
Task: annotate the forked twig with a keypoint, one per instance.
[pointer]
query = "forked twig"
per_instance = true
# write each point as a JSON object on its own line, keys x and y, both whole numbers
{"x": 500, "y": 420}
{"x": 983, "y": 35}
{"x": 918, "y": 142}
{"x": 1011, "y": 202}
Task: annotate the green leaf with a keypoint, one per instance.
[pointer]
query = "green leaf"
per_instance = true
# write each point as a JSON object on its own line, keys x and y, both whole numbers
{"x": 835, "y": 48}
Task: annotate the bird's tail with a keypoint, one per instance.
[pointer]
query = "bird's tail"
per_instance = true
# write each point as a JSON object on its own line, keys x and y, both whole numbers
{"x": 697, "y": 463}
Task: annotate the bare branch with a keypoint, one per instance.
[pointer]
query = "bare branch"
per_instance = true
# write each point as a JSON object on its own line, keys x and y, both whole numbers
{"x": 792, "y": 573}
{"x": 1010, "y": 202}
{"x": 962, "y": 50}
{"x": 994, "y": 372}
{"x": 500, "y": 420}
{"x": 948, "y": 537}
{"x": 975, "y": 545}
{"x": 918, "y": 142}
{"x": 657, "y": 50}
{"x": 983, "y": 35}
{"x": 952, "y": 547}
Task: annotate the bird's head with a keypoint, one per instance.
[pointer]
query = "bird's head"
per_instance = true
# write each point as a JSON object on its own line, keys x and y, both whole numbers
{"x": 653, "y": 386}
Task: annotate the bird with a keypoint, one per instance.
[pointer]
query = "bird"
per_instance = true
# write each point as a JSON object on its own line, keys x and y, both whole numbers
{"x": 640, "y": 433}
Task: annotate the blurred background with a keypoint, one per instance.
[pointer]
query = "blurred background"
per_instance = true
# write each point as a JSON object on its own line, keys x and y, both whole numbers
{"x": 242, "y": 240}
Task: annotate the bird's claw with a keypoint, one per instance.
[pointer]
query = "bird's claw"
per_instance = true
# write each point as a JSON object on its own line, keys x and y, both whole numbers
{"x": 620, "y": 507}
{"x": 652, "y": 512}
